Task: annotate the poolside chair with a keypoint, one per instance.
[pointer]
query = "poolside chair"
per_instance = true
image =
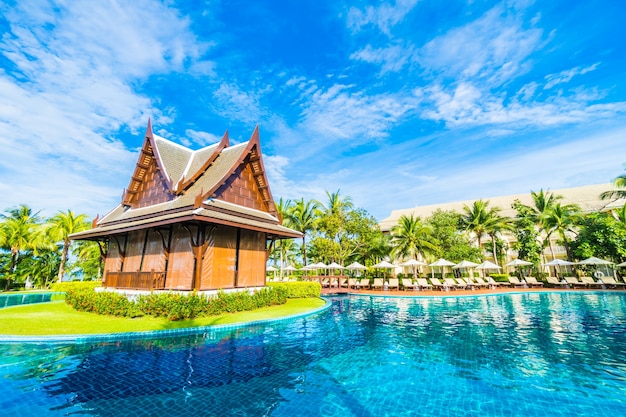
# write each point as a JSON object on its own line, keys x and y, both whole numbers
{"x": 481, "y": 282}
{"x": 554, "y": 282}
{"x": 573, "y": 281}
{"x": 591, "y": 283}
{"x": 378, "y": 283}
{"x": 423, "y": 284}
{"x": 353, "y": 282}
{"x": 532, "y": 281}
{"x": 437, "y": 284}
{"x": 408, "y": 283}
{"x": 463, "y": 283}
{"x": 453, "y": 284}
{"x": 326, "y": 282}
{"x": 393, "y": 283}
{"x": 493, "y": 283}
{"x": 364, "y": 283}
{"x": 515, "y": 282}
{"x": 612, "y": 283}
{"x": 344, "y": 283}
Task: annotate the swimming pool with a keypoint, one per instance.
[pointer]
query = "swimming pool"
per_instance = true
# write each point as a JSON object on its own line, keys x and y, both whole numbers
{"x": 533, "y": 354}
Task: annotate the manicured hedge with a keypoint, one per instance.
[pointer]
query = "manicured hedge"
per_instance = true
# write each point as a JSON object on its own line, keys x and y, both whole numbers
{"x": 500, "y": 277}
{"x": 299, "y": 289}
{"x": 173, "y": 306}
{"x": 74, "y": 285}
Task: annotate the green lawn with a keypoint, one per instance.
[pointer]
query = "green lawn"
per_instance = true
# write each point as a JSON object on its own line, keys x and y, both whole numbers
{"x": 57, "y": 318}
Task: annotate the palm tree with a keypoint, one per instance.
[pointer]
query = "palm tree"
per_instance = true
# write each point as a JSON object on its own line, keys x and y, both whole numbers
{"x": 411, "y": 238}
{"x": 60, "y": 227}
{"x": 20, "y": 232}
{"x": 336, "y": 204}
{"x": 482, "y": 219}
{"x": 544, "y": 203}
{"x": 619, "y": 182}
{"x": 562, "y": 219}
{"x": 302, "y": 217}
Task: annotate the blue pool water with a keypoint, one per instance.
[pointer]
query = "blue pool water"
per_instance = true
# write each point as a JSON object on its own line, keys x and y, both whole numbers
{"x": 535, "y": 354}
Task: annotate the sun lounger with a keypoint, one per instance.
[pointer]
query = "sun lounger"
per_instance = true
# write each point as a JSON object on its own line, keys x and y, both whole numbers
{"x": 437, "y": 284}
{"x": 532, "y": 281}
{"x": 481, "y": 282}
{"x": 462, "y": 283}
{"x": 494, "y": 283}
{"x": 364, "y": 283}
{"x": 378, "y": 283}
{"x": 423, "y": 284}
{"x": 344, "y": 283}
{"x": 591, "y": 283}
{"x": 325, "y": 282}
{"x": 611, "y": 283}
{"x": 554, "y": 282}
{"x": 453, "y": 284}
{"x": 353, "y": 282}
{"x": 515, "y": 282}
{"x": 408, "y": 283}
{"x": 573, "y": 281}
{"x": 393, "y": 284}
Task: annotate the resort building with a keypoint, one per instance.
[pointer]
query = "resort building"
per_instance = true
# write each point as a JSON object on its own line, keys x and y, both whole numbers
{"x": 191, "y": 220}
{"x": 587, "y": 197}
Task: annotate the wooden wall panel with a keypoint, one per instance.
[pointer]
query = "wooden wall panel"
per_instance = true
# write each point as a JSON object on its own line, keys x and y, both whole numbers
{"x": 154, "y": 257}
{"x": 113, "y": 261}
{"x": 218, "y": 269}
{"x": 153, "y": 187}
{"x": 134, "y": 251}
{"x": 181, "y": 261}
{"x": 251, "y": 259}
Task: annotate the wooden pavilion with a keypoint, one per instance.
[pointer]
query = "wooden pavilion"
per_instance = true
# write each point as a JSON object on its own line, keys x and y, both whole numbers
{"x": 191, "y": 220}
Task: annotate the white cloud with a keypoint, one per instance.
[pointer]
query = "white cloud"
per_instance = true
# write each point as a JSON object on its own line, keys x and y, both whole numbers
{"x": 202, "y": 138}
{"x": 233, "y": 103}
{"x": 391, "y": 58}
{"x": 567, "y": 75}
{"x": 69, "y": 85}
{"x": 384, "y": 17}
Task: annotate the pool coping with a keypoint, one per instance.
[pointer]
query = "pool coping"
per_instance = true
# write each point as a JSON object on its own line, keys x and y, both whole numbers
{"x": 490, "y": 294}
{"x": 124, "y": 336}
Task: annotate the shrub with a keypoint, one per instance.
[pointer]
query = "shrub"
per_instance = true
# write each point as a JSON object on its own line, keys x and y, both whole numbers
{"x": 109, "y": 303}
{"x": 302, "y": 289}
{"x": 74, "y": 285}
{"x": 500, "y": 277}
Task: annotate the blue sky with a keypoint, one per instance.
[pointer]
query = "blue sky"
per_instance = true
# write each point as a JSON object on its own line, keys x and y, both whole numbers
{"x": 396, "y": 104}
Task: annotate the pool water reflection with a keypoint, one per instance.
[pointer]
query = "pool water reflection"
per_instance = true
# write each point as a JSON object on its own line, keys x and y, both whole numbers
{"x": 532, "y": 354}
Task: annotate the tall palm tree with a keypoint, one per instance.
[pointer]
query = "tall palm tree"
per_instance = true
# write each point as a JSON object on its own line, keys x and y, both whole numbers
{"x": 411, "y": 238}
{"x": 302, "y": 217}
{"x": 562, "y": 219}
{"x": 60, "y": 227}
{"x": 482, "y": 219}
{"x": 336, "y": 204}
{"x": 20, "y": 232}
{"x": 619, "y": 182}
{"x": 544, "y": 203}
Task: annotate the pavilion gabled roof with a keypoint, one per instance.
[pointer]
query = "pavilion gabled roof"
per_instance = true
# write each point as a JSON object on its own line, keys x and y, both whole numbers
{"x": 219, "y": 184}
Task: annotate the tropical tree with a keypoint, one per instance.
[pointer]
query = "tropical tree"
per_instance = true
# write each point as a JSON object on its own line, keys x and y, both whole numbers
{"x": 60, "y": 227}
{"x": 619, "y": 182}
{"x": 20, "y": 232}
{"x": 448, "y": 240}
{"x": 562, "y": 219}
{"x": 482, "y": 219}
{"x": 411, "y": 238}
{"x": 526, "y": 234}
{"x": 334, "y": 214}
{"x": 303, "y": 216}
{"x": 88, "y": 259}
{"x": 602, "y": 236}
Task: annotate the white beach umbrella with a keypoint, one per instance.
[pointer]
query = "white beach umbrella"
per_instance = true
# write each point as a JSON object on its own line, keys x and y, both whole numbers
{"x": 557, "y": 264}
{"x": 384, "y": 265}
{"x": 414, "y": 263}
{"x": 622, "y": 264}
{"x": 355, "y": 266}
{"x": 271, "y": 269}
{"x": 335, "y": 265}
{"x": 486, "y": 265}
{"x": 466, "y": 265}
{"x": 518, "y": 262}
{"x": 442, "y": 263}
{"x": 595, "y": 262}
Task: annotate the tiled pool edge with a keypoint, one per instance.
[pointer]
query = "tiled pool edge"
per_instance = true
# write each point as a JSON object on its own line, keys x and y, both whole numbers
{"x": 114, "y": 337}
{"x": 452, "y": 295}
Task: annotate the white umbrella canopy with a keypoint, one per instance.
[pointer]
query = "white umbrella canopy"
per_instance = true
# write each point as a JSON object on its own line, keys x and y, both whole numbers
{"x": 465, "y": 264}
{"x": 519, "y": 262}
{"x": 412, "y": 262}
{"x": 594, "y": 261}
{"x": 335, "y": 265}
{"x": 318, "y": 265}
{"x": 441, "y": 263}
{"x": 622, "y": 264}
{"x": 271, "y": 269}
{"x": 355, "y": 266}
{"x": 488, "y": 265}
{"x": 289, "y": 268}
{"x": 384, "y": 265}
{"x": 558, "y": 262}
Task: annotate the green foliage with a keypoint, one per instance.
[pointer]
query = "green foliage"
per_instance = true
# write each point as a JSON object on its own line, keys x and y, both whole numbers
{"x": 75, "y": 285}
{"x": 301, "y": 289}
{"x": 108, "y": 303}
{"x": 527, "y": 242}
{"x": 448, "y": 242}
{"x": 173, "y": 306}
{"x": 500, "y": 277}
{"x": 600, "y": 235}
